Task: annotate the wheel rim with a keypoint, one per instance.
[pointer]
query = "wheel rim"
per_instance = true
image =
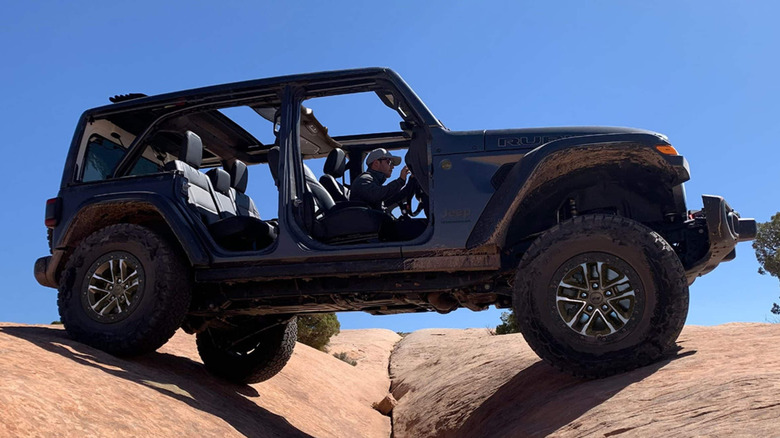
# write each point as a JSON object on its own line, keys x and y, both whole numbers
{"x": 597, "y": 298}
{"x": 113, "y": 287}
{"x": 244, "y": 343}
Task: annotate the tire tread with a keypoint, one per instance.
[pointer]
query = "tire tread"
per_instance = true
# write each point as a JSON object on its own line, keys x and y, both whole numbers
{"x": 256, "y": 367}
{"x": 668, "y": 316}
{"x": 171, "y": 294}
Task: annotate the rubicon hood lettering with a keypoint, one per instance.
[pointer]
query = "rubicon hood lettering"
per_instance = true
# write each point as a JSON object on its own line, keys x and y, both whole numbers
{"x": 527, "y": 141}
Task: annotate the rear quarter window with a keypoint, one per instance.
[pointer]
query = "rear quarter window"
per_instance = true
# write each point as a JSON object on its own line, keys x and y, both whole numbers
{"x": 102, "y": 156}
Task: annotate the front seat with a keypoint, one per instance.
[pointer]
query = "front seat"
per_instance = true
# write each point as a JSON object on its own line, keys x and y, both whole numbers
{"x": 345, "y": 222}
{"x": 334, "y": 168}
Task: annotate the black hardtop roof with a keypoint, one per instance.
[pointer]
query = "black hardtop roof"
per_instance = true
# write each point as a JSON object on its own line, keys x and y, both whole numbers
{"x": 135, "y": 112}
{"x": 250, "y": 86}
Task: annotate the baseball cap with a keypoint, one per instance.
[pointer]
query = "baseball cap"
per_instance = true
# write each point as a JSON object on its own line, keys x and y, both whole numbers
{"x": 381, "y": 153}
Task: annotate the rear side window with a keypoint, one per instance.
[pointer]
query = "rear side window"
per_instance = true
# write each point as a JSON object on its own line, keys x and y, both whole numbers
{"x": 103, "y": 155}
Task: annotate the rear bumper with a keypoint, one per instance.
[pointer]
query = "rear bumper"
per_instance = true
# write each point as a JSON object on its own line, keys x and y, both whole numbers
{"x": 724, "y": 230}
{"x": 44, "y": 271}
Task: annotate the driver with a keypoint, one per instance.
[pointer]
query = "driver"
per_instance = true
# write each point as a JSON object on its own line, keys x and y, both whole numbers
{"x": 369, "y": 188}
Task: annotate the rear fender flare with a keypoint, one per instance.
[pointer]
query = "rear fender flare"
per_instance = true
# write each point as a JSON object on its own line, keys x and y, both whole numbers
{"x": 142, "y": 208}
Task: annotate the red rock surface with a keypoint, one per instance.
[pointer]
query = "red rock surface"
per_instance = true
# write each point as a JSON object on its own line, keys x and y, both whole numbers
{"x": 52, "y": 386}
{"x": 724, "y": 382}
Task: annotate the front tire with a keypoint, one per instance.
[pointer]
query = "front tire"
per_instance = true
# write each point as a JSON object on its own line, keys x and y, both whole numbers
{"x": 600, "y": 294}
{"x": 124, "y": 290}
{"x": 250, "y": 352}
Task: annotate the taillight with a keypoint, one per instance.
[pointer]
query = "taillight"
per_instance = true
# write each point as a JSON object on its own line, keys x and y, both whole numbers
{"x": 53, "y": 207}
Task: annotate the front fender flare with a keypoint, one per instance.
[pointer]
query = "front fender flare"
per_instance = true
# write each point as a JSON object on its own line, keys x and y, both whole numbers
{"x": 561, "y": 157}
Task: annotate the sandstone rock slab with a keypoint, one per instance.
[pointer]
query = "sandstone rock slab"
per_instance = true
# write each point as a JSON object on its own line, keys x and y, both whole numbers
{"x": 53, "y": 386}
{"x": 724, "y": 381}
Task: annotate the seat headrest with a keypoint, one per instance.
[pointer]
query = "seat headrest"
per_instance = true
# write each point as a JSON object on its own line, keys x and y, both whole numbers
{"x": 239, "y": 177}
{"x": 335, "y": 163}
{"x": 273, "y": 163}
{"x": 191, "y": 150}
{"x": 220, "y": 180}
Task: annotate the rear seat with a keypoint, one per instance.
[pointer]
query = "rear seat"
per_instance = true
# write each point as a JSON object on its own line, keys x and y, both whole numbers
{"x": 239, "y": 177}
{"x": 210, "y": 196}
{"x": 199, "y": 191}
{"x": 220, "y": 184}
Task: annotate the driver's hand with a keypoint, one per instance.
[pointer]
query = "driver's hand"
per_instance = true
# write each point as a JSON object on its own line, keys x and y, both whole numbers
{"x": 405, "y": 172}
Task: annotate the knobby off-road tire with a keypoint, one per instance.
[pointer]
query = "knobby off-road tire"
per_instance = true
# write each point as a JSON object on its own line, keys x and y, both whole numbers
{"x": 254, "y": 358}
{"x": 124, "y": 290}
{"x": 600, "y": 294}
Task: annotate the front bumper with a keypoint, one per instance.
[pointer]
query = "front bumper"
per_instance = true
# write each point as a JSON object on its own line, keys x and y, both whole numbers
{"x": 724, "y": 230}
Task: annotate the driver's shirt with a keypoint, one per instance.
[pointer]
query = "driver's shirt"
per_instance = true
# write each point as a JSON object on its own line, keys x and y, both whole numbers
{"x": 368, "y": 188}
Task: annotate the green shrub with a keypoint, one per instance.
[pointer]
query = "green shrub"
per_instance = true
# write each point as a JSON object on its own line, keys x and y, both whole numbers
{"x": 767, "y": 246}
{"x": 316, "y": 329}
{"x": 343, "y": 357}
{"x": 508, "y": 324}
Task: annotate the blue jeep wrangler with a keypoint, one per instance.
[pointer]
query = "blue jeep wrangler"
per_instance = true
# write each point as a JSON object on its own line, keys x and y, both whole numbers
{"x": 584, "y": 231}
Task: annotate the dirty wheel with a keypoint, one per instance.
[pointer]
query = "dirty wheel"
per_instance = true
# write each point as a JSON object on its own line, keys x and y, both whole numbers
{"x": 249, "y": 352}
{"x": 124, "y": 290}
{"x": 599, "y": 295}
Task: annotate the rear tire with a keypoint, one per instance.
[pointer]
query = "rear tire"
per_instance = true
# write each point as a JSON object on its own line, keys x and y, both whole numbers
{"x": 249, "y": 353}
{"x": 600, "y": 294}
{"x": 124, "y": 290}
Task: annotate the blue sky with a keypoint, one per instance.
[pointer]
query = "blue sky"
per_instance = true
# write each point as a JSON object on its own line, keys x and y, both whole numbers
{"x": 703, "y": 73}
